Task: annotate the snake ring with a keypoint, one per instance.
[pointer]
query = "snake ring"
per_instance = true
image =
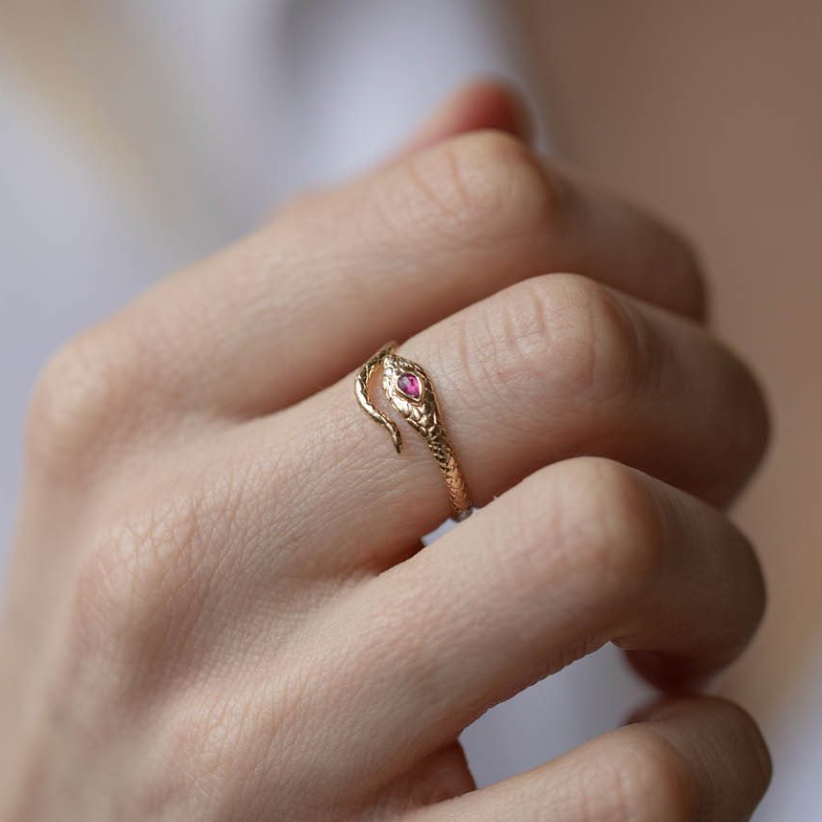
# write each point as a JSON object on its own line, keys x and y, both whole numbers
{"x": 409, "y": 390}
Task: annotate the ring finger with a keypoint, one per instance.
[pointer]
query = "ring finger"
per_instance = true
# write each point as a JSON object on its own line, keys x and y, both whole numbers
{"x": 551, "y": 368}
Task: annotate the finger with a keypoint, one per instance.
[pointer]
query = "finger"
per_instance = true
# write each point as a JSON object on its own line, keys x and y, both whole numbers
{"x": 696, "y": 760}
{"x": 579, "y": 554}
{"x": 292, "y": 308}
{"x": 480, "y": 104}
{"x": 547, "y": 369}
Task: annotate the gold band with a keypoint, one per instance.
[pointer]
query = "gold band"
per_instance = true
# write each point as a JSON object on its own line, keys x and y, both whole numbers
{"x": 409, "y": 390}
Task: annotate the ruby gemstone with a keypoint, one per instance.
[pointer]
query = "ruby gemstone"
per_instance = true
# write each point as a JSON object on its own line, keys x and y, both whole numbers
{"x": 410, "y": 385}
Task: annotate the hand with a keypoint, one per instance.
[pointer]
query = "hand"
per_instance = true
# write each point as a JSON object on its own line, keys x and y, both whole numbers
{"x": 218, "y": 609}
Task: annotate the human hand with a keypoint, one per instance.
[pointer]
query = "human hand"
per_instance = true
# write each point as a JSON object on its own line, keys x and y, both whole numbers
{"x": 218, "y": 609}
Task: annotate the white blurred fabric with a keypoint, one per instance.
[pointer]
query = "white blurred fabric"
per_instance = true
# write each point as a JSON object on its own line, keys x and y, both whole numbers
{"x": 252, "y": 100}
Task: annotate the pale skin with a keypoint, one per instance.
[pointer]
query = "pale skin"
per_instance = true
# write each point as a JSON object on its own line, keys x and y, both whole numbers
{"x": 218, "y": 608}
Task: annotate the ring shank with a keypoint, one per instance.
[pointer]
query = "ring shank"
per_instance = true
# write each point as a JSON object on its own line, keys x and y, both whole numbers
{"x": 452, "y": 474}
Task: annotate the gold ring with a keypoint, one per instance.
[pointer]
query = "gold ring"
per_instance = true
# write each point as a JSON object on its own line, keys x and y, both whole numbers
{"x": 408, "y": 388}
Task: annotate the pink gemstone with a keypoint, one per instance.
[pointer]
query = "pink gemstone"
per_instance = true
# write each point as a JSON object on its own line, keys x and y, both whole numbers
{"x": 410, "y": 385}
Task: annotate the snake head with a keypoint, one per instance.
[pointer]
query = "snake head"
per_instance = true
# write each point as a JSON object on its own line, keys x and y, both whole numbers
{"x": 407, "y": 387}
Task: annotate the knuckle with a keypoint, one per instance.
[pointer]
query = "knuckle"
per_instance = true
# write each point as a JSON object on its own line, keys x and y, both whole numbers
{"x": 487, "y": 187}
{"x": 625, "y": 547}
{"x": 215, "y": 731}
{"x": 652, "y": 781}
{"x": 754, "y": 766}
{"x": 762, "y": 766}
{"x": 108, "y": 595}
{"x": 207, "y": 732}
{"x": 604, "y": 529}
{"x": 597, "y": 341}
{"x": 139, "y": 589}
{"x": 78, "y": 398}
{"x": 567, "y": 331}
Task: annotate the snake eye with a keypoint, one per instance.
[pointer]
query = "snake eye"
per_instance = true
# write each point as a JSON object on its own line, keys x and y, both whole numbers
{"x": 410, "y": 386}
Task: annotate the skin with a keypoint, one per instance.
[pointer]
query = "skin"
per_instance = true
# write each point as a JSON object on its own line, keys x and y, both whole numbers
{"x": 218, "y": 607}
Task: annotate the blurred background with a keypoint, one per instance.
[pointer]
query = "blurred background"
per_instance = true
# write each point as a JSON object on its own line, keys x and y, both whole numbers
{"x": 138, "y": 136}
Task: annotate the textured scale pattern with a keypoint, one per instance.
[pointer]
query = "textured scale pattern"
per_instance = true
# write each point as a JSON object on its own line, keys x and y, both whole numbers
{"x": 423, "y": 415}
